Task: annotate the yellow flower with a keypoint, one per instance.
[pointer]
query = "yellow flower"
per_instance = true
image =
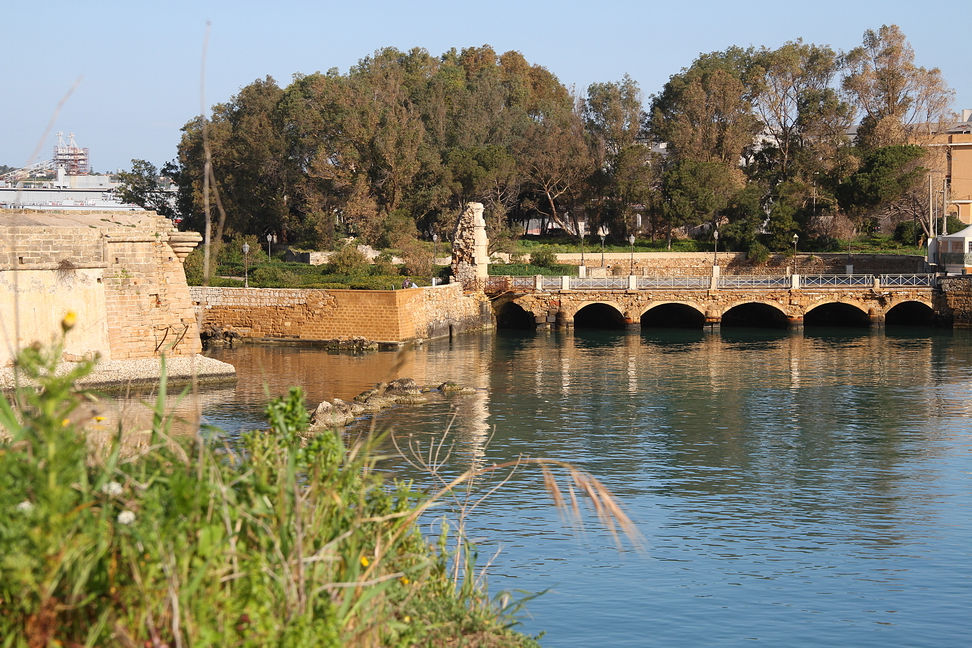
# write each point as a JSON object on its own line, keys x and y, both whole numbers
{"x": 407, "y": 619}
{"x": 364, "y": 561}
{"x": 66, "y": 422}
{"x": 70, "y": 319}
{"x": 405, "y": 580}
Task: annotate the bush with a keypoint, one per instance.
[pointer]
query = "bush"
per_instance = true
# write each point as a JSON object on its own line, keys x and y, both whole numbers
{"x": 288, "y": 542}
{"x": 543, "y": 258}
{"x": 347, "y": 261}
{"x": 758, "y": 253}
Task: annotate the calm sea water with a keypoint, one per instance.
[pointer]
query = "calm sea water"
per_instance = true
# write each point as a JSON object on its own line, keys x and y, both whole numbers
{"x": 793, "y": 489}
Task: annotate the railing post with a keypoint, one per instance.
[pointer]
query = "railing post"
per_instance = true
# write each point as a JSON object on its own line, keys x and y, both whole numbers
{"x": 632, "y": 282}
{"x": 877, "y": 282}
{"x": 565, "y": 282}
{"x": 794, "y": 281}
{"x": 538, "y": 283}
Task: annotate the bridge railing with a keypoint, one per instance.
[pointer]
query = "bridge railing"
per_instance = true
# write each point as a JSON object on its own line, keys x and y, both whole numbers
{"x": 753, "y": 281}
{"x": 598, "y": 283}
{"x": 674, "y": 282}
{"x": 496, "y": 285}
{"x": 836, "y": 281}
{"x": 906, "y": 280}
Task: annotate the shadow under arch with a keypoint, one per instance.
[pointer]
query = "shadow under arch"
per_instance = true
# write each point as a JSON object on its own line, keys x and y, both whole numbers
{"x": 755, "y": 315}
{"x": 673, "y": 316}
{"x": 510, "y": 315}
{"x": 836, "y": 314}
{"x": 910, "y": 313}
{"x": 599, "y": 316}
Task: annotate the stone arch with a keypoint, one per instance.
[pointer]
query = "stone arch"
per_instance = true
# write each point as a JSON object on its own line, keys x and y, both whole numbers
{"x": 511, "y": 315}
{"x": 672, "y": 314}
{"x": 838, "y": 312}
{"x": 756, "y": 313}
{"x": 598, "y": 314}
{"x": 910, "y": 312}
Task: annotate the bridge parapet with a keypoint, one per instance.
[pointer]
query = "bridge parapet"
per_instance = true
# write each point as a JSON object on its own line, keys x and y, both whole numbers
{"x": 538, "y": 283}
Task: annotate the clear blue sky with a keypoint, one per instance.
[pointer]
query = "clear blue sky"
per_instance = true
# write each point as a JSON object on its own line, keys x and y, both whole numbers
{"x": 139, "y": 62}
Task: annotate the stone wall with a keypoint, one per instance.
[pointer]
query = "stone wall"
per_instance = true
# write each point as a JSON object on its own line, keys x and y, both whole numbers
{"x": 668, "y": 264}
{"x": 115, "y": 270}
{"x": 953, "y": 302}
{"x": 313, "y": 314}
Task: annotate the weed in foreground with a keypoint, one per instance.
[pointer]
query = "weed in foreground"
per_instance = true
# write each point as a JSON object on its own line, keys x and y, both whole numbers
{"x": 285, "y": 542}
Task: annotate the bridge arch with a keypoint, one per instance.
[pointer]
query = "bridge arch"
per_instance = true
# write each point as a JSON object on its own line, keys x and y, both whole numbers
{"x": 910, "y": 312}
{"x": 672, "y": 314}
{"x": 598, "y": 314}
{"x": 757, "y": 314}
{"x": 840, "y": 313}
{"x": 510, "y": 315}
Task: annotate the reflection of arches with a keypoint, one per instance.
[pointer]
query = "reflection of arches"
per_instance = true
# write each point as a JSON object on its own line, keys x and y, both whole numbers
{"x": 836, "y": 314}
{"x": 673, "y": 315}
{"x": 911, "y": 313}
{"x": 510, "y": 315}
{"x": 603, "y": 316}
{"x": 755, "y": 315}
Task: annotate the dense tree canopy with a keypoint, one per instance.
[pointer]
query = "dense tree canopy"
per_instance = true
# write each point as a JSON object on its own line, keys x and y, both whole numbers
{"x": 753, "y": 141}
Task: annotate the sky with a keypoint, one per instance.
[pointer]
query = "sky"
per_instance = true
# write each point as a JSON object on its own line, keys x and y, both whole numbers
{"x": 132, "y": 72}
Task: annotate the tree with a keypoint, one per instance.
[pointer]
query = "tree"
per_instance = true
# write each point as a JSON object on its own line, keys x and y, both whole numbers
{"x": 899, "y": 99}
{"x": 885, "y": 177}
{"x": 705, "y": 112}
{"x": 143, "y": 186}
{"x": 792, "y": 77}
{"x": 613, "y": 113}
{"x": 695, "y": 192}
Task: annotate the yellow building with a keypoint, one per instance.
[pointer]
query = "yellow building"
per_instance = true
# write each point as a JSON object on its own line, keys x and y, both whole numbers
{"x": 957, "y": 142}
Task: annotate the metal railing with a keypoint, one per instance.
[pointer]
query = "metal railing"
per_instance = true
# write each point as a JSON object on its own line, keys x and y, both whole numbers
{"x": 497, "y": 285}
{"x": 907, "y": 280}
{"x": 695, "y": 283}
{"x": 836, "y": 281}
{"x": 754, "y": 281}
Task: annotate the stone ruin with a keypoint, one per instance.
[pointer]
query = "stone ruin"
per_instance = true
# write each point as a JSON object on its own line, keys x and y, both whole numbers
{"x": 470, "y": 260}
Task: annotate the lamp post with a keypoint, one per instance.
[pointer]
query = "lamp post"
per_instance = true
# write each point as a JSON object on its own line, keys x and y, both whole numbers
{"x": 796, "y": 237}
{"x": 271, "y": 239}
{"x": 715, "y": 251}
{"x": 631, "y": 240}
{"x": 246, "y": 265}
{"x": 580, "y": 230}
{"x": 602, "y": 232}
{"x": 435, "y": 247}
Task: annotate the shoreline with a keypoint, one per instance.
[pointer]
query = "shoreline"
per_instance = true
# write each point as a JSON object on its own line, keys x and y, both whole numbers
{"x": 119, "y": 374}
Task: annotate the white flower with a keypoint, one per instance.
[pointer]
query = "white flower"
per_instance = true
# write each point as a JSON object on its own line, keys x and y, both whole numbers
{"x": 126, "y": 517}
{"x": 112, "y": 488}
{"x": 26, "y": 506}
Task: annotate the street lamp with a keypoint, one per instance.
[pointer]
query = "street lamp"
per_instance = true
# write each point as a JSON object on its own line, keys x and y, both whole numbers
{"x": 246, "y": 265}
{"x": 435, "y": 247}
{"x": 631, "y": 240}
{"x": 271, "y": 239}
{"x": 580, "y": 230}
{"x": 715, "y": 252}
{"x": 602, "y": 232}
{"x": 796, "y": 237}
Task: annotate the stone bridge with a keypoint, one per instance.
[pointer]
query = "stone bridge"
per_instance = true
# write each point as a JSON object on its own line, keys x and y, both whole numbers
{"x": 712, "y": 301}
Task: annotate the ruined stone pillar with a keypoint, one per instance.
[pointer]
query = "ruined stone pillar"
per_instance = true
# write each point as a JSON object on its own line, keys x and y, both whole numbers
{"x": 470, "y": 260}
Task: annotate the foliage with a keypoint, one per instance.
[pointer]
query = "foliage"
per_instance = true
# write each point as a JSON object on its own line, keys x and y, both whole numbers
{"x": 393, "y": 149}
{"x": 287, "y": 542}
{"x": 349, "y": 260}
{"x": 143, "y": 186}
{"x": 543, "y": 258}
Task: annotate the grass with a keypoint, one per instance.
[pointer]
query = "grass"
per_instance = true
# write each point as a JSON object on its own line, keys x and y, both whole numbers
{"x": 292, "y": 539}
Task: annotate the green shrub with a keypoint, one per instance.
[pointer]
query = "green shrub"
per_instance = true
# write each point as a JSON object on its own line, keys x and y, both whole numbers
{"x": 347, "y": 261}
{"x": 287, "y": 542}
{"x": 543, "y": 258}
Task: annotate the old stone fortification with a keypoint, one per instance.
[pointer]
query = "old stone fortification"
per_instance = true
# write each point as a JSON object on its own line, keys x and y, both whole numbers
{"x": 120, "y": 272}
{"x": 678, "y": 264}
{"x": 954, "y": 301}
{"x": 313, "y": 314}
{"x": 470, "y": 261}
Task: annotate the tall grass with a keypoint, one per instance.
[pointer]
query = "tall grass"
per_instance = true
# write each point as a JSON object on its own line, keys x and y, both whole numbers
{"x": 284, "y": 541}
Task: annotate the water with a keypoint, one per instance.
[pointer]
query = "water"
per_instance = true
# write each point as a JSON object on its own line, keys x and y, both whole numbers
{"x": 792, "y": 489}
